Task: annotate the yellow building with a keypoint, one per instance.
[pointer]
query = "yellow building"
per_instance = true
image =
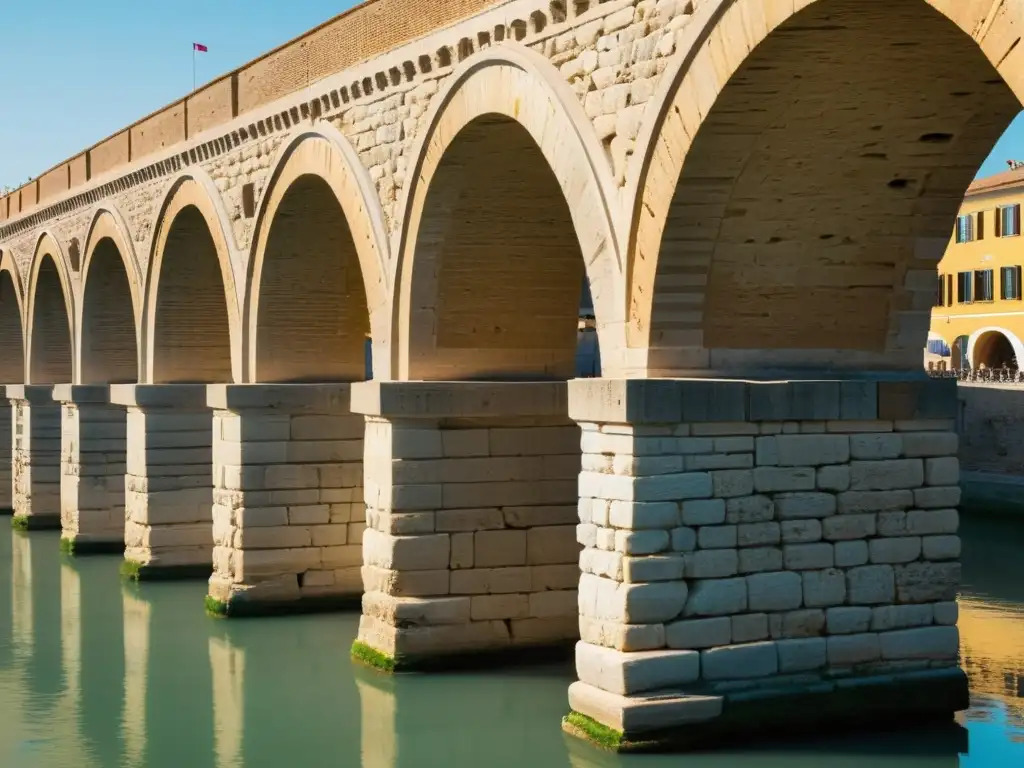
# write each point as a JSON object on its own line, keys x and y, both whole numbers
{"x": 978, "y": 320}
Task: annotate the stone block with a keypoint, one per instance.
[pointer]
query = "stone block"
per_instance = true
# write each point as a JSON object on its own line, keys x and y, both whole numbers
{"x": 551, "y": 544}
{"x": 749, "y": 627}
{"x": 801, "y": 531}
{"x": 494, "y": 549}
{"x": 483, "y": 519}
{"x": 622, "y": 637}
{"x": 933, "y": 643}
{"x": 703, "y": 512}
{"x": 712, "y": 564}
{"x": 684, "y": 539}
{"x": 937, "y": 497}
{"x": 872, "y": 447}
{"x": 717, "y": 597}
{"x": 848, "y": 620}
{"x": 930, "y": 444}
{"x": 749, "y": 509}
{"x": 630, "y": 673}
{"x": 778, "y": 479}
{"x": 902, "y": 549}
{"x": 823, "y": 589}
{"x": 812, "y": 450}
{"x": 639, "y": 515}
{"x": 944, "y": 471}
{"x": 760, "y": 559}
{"x": 888, "y": 617}
{"x": 654, "y": 568}
{"x": 499, "y": 607}
{"x": 946, "y": 613}
{"x": 732, "y": 483}
{"x": 849, "y": 650}
{"x": 779, "y": 591}
{"x": 802, "y": 557}
{"x": 927, "y": 582}
{"x": 932, "y": 521}
{"x": 851, "y": 553}
{"x": 641, "y": 542}
{"x": 716, "y": 536}
{"x": 887, "y": 475}
{"x": 790, "y": 506}
{"x": 494, "y": 581}
{"x": 941, "y": 547}
{"x": 637, "y": 714}
{"x": 697, "y": 634}
{"x": 833, "y": 479}
{"x": 652, "y": 603}
{"x": 807, "y": 622}
{"x": 740, "y": 662}
{"x": 802, "y": 655}
{"x": 406, "y": 553}
{"x": 758, "y": 534}
{"x": 844, "y": 527}
{"x": 857, "y": 502}
{"x": 871, "y": 585}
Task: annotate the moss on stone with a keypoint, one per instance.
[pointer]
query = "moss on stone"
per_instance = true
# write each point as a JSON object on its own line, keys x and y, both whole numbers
{"x": 371, "y": 657}
{"x": 590, "y": 729}
{"x": 19, "y": 522}
{"x": 67, "y": 546}
{"x": 130, "y": 569}
{"x": 216, "y": 608}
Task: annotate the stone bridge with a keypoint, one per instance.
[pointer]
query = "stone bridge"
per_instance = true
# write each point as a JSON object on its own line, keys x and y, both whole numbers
{"x": 759, "y": 496}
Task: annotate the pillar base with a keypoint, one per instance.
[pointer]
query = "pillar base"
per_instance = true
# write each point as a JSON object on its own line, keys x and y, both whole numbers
{"x": 37, "y": 522}
{"x": 688, "y": 720}
{"x": 470, "y": 545}
{"x": 35, "y": 451}
{"x": 84, "y": 545}
{"x": 288, "y": 514}
{"x": 168, "y": 481}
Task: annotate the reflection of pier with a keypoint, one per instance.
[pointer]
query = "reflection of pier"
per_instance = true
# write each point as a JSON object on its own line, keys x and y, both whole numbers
{"x": 992, "y": 653}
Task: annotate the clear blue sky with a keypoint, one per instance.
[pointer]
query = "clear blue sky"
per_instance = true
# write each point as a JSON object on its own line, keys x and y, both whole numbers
{"x": 75, "y": 71}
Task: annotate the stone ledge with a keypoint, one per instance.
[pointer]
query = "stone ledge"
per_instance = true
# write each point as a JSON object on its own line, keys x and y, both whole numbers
{"x": 459, "y": 399}
{"x": 33, "y": 394}
{"x": 307, "y": 397}
{"x": 678, "y": 721}
{"x": 159, "y": 395}
{"x": 82, "y": 393}
{"x": 688, "y": 401}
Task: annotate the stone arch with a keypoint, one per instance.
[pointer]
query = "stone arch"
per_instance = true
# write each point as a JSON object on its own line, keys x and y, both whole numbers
{"x": 192, "y": 331}
{"x": 995, "y": 348}
{"x": 12, "y": 327}
{"x": 509, "y": 105}
{"x": 110, "y": 309}
{"x": 770, "y": 232}
{"x": 50, "y": 315}
{"x": 308, "y": 310}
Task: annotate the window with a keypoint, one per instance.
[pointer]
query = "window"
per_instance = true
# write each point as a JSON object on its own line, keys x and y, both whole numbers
{"x": 983, "y": 285}
{"x": 1010, "y": 283}
{"x": 964, "y": 228}
{"x": 1008, "y": 221}
{"x": 940, "y": 299}
{"x": 949, "y": 290}
{"x": 964, "y": 284}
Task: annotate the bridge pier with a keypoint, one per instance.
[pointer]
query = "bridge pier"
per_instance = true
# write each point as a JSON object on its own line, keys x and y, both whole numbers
{"x": 35, "y": 456}
{"x": 288, "y": 514}
{"x": 764, "y": 556}
{"x": 92, "y": 469}
{"x": 168, "y": 480}
{"x": 6, "y": 456}
{"x": 471, "y": 503}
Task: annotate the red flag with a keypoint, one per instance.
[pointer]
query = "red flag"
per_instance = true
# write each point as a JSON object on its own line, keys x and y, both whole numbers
{"x": 199, "y": 47}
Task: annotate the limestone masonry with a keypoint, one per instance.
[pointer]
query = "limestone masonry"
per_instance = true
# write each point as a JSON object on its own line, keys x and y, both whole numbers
{"x": 749, "y": 522}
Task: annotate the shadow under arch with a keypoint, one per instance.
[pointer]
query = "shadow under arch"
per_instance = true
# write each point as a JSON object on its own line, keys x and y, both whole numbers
{"x": 191, "y": 329}
{"x": 549, "y": 156}
{"x": 728, "y": 274}
{"x": 306, "y": 315}
{"x": 995, "y": 348}
{"x": 110, "y": 310}
{"x": 50, "y": 313}
{"x": 12, "y": 330}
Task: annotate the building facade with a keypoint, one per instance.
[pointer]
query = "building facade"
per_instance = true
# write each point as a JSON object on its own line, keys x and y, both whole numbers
{"x": 978, "y": 320}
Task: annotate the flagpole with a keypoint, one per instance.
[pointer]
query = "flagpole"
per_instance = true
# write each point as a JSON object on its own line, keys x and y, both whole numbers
{"x": 193, "y": 66}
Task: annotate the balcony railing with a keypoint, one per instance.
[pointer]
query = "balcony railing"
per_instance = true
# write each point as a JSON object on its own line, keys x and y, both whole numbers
{"x": 982, "y": 375}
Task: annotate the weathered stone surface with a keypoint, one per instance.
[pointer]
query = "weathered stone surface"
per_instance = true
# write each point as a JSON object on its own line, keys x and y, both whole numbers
{"x": 774, "y": 591}
{"x": 740, "y": 662}
{"x": 698, "y": 634}
{"x": 627, "y": 673}
{"x": 717, "y": 597}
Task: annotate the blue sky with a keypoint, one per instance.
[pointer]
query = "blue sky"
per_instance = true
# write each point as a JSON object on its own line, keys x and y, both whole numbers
{"x": 75, "y": 71}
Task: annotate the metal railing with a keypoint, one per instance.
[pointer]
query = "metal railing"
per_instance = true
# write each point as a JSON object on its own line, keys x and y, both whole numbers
{"x": 982, "y": 375}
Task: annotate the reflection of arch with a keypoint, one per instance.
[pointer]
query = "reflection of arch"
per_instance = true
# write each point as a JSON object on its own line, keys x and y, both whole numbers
{"x": 727, "y": 273}
{"x": 995, "y": 348}
{"x": 109, "y": 313}
{"x": 50, "y": 314}
{"x": 513, "y": 95}
{"x": 192, "y": 329}
{"x": 12, "y": 332}
{"x": 311, "y": 297}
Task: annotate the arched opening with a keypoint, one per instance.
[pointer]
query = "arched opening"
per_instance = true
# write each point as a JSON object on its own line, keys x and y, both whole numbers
{"x": 994, "y": 350}
{"x": 958, "y": 355}
{"x": 109, "y": 352}
{"x": 497, "y": 267}
{"x": 828, "y": 171}
{"x": 50, "y": 347}
{"x": 191, "y": 332}
{"x": 12, "y": 349}
{"x": 312, "y": 320}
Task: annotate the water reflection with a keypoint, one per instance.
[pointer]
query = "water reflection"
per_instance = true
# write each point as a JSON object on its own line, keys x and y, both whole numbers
{"x": 97, "y": 674}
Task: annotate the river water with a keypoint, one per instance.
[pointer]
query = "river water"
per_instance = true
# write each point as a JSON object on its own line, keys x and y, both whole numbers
{"x": 94, "y": 674}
